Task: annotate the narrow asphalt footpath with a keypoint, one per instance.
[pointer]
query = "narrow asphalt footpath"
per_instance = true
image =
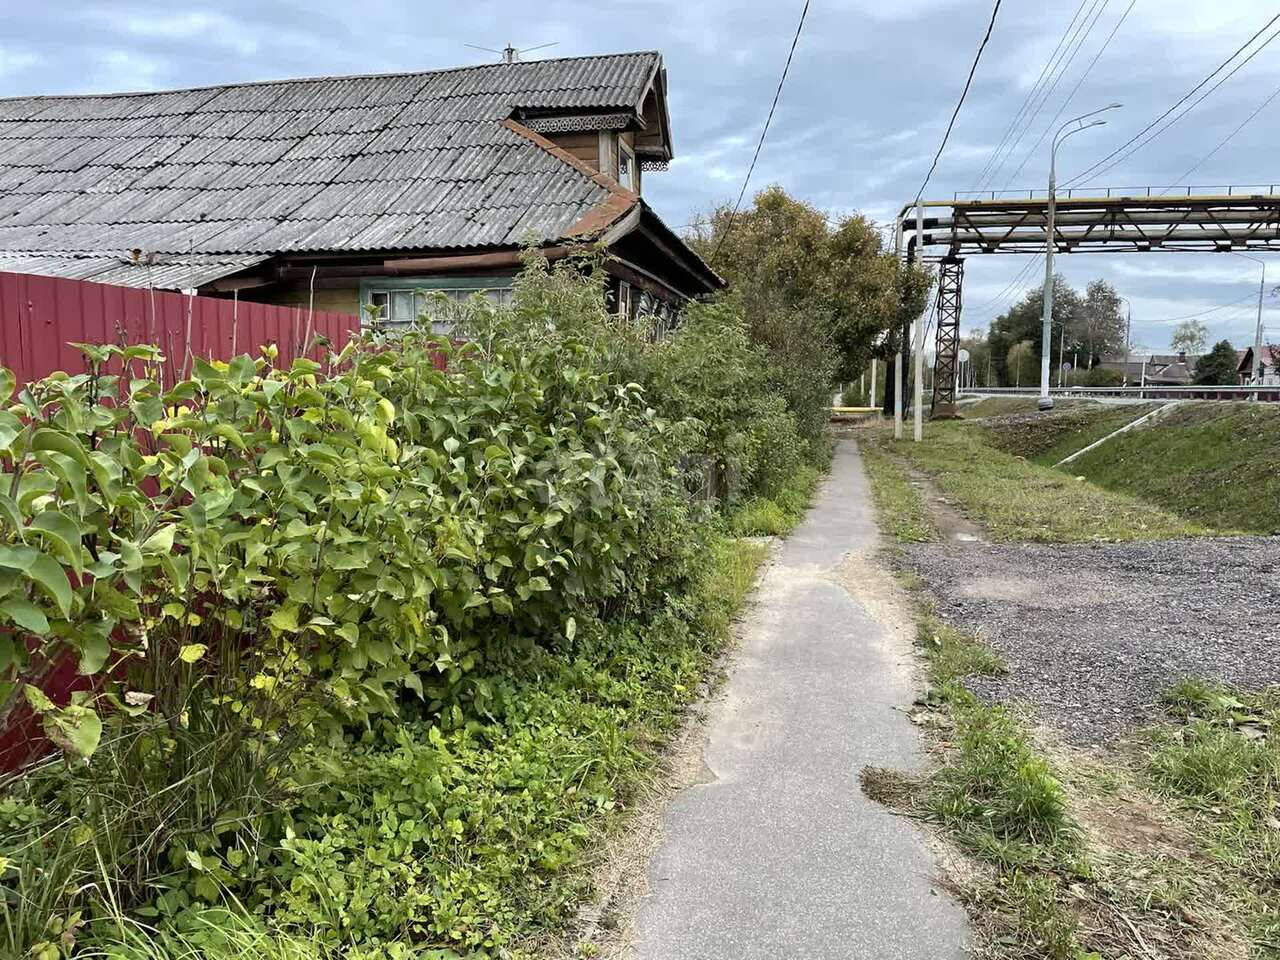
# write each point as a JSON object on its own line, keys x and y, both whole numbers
{"x": 777, "y": 854}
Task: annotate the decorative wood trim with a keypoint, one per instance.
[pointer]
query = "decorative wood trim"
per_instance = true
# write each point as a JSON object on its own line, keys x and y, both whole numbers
{"x": 598, "y": 121}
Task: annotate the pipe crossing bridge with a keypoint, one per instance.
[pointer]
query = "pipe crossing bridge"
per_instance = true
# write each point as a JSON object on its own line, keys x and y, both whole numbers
{"x": 1093, "y": 220}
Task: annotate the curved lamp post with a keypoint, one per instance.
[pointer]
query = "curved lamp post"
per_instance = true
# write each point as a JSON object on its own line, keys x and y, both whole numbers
{"x": 1072, "y": 126}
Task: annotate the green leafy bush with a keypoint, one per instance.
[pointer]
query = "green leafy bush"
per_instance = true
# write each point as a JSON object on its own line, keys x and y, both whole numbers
{"x": 263, "y": 556}
{"x": 377, "y": 646}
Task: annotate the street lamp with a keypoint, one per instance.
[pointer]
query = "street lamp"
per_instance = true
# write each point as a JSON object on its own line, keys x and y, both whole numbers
{"x": 1069, "y": 128}
{"x": 1255, "y": 374}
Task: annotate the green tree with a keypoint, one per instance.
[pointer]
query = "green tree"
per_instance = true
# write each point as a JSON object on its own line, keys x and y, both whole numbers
{"x": 1218, "y": 366}
{"x": 1190, "y": 336}
{"x": 1101, "y": 326}
{"x": 1022, "y": 322}
{"x": 821, "y": 298}
{"x": 980, "y": 366}
{"x": 1022, "y": 364}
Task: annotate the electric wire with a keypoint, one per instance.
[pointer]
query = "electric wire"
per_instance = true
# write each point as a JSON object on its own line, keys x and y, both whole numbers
{"x": 1074, "y": 46}
{"x": 1225, "y": 140}
{"x": 1074, "y": 90}
{"x": 1119, "y": 154}
{"x": 763, "y": 133}
{"x": 1021, "y": 275}
{"x": 1204, "y": 313}
{"x": 982, "y": 174}
{"x": 960, "y": 103}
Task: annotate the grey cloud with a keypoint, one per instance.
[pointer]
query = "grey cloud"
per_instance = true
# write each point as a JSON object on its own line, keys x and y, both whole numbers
{"x": 870, "y": 91}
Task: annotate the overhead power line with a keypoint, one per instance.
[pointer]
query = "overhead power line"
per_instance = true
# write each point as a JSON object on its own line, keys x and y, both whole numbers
{"x": 1123, "y": 151}
{"x": 1074, "y": 90}
{"x": 765, "y": 132}
{"x": 1074, "y": 45}
{"x": 1013, "y": 124}
{"x": 1010, "y": 288}
{"x": 1227, "y": 139}
{"x": 960, "y": 103}
{"x": 1203, "y": 313}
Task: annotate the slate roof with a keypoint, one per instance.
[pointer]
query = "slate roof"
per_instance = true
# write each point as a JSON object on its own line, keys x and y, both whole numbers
{"x": 392, "y": 162}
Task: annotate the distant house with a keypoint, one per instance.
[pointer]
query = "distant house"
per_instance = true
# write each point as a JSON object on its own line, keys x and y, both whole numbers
{"x": 1268, "y": 367}
{"x": 1158, "y": 369}
{"x": 351, "y": 191}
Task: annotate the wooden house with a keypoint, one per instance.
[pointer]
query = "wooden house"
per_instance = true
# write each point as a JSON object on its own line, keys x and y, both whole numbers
{"x": 345, "y": 192}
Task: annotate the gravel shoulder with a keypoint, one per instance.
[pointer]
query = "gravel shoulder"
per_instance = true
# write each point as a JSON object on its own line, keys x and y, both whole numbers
{"x": 1093, "y": 634}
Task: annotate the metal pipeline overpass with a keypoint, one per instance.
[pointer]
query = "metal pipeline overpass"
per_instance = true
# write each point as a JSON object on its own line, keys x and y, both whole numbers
{"x": 1091, "y": 220}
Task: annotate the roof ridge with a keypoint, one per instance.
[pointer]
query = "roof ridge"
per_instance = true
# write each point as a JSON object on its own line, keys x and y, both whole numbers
{"x": 325, "y": 79}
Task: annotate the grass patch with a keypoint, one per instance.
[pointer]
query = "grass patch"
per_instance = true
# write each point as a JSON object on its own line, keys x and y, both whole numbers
{"x": 898, "y": 503}
{"x": 1211, "y": 463}
{"x": 1124, "y": 875}
{"x": 954, "y": 654}
{"x": 1221, "y": 768}
{"x": 1046, "y": 438}
{"x": 1015, "y": 499}
{"x": 1002, "y": 803}
{"x": 1169, "y": 851}
{"x": 214, "y": 934}
{"x": 776, "y": 515}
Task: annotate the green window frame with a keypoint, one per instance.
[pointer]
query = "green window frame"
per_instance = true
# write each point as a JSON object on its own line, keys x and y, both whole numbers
{"x": 404, "y": 299}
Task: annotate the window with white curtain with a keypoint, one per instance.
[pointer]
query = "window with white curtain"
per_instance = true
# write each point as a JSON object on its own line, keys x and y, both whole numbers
{"x": 400, "y": 308}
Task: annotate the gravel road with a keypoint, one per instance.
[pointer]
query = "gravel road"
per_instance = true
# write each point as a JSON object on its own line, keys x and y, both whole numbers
{"x": 1093, "y": 634}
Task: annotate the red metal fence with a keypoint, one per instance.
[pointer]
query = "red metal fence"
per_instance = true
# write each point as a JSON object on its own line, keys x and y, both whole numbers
{"x": 41, "y": 316}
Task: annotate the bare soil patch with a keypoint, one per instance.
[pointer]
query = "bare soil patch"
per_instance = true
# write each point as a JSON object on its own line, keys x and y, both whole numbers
{"x": 1093, "y": 635}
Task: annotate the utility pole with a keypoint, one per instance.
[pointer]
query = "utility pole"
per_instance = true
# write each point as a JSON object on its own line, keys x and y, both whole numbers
{"x": 897, "y": 357}
{"x": 918, "y": 420}
{"x": 1257, "y": 334}
{"x": 1046, "y": 339}
{"x": 1128, "y": 331}
{"x": 1255, "y": 374}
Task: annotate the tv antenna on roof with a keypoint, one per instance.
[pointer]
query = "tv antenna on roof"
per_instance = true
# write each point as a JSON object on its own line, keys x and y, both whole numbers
{"x": 512, "y": 54}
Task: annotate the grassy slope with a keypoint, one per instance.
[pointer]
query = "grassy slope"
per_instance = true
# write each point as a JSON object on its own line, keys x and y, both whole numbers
{"x": 1047, "y": 439}
{"x": 1213, "y": 463}
{"x": 1016, "y": 499}
{"x": 998, "y": 407}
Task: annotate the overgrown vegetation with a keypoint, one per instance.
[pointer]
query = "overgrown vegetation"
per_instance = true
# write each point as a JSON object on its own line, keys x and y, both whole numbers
{"x": 821, "y": 296}
{"x": 376, "y": 645}
{"x": 775, "y": 515}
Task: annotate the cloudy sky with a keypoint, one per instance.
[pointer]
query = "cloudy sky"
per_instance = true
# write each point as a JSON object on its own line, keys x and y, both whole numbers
{"x": 870, "y": 92}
